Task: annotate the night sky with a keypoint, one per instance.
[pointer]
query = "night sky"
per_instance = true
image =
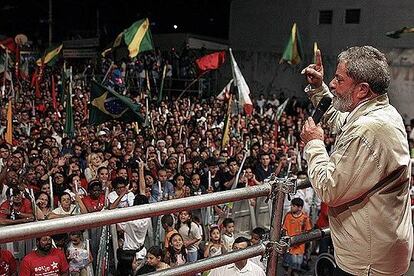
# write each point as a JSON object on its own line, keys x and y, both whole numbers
{"x": 77, "y": 18}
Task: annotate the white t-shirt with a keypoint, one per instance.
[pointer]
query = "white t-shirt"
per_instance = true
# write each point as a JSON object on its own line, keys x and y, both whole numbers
{"x": 194, "y": 234}
{"x": 250, "y": 269}
{"x": 257, "y": 260}
{"x": 126, "y": 201}
{"x": 228, "y": 241}
{"x": 72, "y": 210}
{"x": 135, "y": 232}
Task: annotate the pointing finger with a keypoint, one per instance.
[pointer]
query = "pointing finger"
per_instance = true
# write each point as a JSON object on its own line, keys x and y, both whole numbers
{"x": 311, "y": 122}
{"x": 318, "y": 58}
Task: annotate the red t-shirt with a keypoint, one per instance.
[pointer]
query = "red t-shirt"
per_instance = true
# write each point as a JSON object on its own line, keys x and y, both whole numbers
{"x": 8, "y": 264}
{"x": 25, "y": 208}
{"x": 323, "y": 220}
{"x": 94, "y": 205}
{"x": 53, "y": 264}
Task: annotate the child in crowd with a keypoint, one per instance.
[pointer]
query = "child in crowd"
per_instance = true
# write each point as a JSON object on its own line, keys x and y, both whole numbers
{"x": 296, "y": 222}
{"x": 215, "y": 246}
{"x": 176, "y": 254}
{"x": 78, "y": 254}
{"x": 191, "y": 234}
{"x": 155, "y": 257}
{"x": 167, "y": 222}
{"x": 257, "y": 237}
{"x": 228, "y": 234}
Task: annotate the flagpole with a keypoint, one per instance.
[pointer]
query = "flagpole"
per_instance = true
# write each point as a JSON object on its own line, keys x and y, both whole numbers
{"x": 107, "y": 72}
{"x": 6, "y": 61}
{"x": 194, "y": 81}
{"x": 162, "y": 82}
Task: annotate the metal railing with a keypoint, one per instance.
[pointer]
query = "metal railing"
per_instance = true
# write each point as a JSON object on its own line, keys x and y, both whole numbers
{"x": 273, "y": 187}
{"x": 92, "y": 220}
{"x": 228, "y": 258}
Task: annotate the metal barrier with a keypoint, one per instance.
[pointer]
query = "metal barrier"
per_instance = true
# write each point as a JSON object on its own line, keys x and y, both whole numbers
{"x": 273, "y": 187}
{"x": 92, "y": 220}
{"x": 228, "y": 258}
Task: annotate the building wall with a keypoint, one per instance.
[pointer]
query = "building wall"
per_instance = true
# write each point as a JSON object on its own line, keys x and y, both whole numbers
{"x": 259, "y": 31}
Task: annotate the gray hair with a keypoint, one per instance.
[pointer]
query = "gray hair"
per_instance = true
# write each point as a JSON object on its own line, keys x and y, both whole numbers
{"x": 367, "y": 64}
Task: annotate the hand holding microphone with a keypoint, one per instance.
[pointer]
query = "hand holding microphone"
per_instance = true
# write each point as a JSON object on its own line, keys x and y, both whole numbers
{"x": 311, "y": 129}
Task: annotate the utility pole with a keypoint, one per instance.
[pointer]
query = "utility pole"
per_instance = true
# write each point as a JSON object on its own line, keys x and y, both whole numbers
{"x": 50, "y": 20}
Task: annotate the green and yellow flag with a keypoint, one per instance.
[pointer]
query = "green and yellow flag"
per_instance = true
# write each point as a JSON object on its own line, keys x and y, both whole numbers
{"x": 50, "y": 56}
{"x": 138, "y": 37}
{"x": 293, "y": 52}
{"x": 106, "y": 105}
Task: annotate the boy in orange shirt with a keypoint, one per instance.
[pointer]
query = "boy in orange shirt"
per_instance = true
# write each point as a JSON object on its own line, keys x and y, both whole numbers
{"x": 296, "y": 222}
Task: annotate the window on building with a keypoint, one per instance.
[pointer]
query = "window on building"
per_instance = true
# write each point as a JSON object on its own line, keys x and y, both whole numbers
{"x": 325, "y": 17}
{"x": 352, "y": 16}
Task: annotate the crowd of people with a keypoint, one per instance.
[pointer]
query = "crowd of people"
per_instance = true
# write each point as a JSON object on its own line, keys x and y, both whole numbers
{"x": 178, "y": 153}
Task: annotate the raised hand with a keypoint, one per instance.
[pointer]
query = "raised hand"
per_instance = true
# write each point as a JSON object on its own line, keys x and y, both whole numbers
{"x": 314, "y": 72}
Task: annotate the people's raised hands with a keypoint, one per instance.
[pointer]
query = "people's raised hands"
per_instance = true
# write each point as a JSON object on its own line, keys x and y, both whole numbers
{"x": 314, "y": 72}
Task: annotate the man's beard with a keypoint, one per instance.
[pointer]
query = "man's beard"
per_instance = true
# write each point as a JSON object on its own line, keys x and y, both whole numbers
{"x": 342, "y": 103}
{"x": 45, "y": 248}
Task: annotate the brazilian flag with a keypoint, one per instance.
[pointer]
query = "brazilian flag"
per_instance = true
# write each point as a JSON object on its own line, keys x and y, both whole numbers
{"x": 50, "y": 56}
{"x": 106, "y": 105}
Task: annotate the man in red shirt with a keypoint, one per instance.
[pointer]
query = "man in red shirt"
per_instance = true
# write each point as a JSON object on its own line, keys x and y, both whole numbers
{"x": 16, "y": 209}
{"x": 8, "y": 265}
{"x": 95, "y": 201}
{"x": 45, "y": 260}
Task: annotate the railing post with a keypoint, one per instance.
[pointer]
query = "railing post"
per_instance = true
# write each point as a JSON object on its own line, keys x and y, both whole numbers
{"x": 275, "y": 228}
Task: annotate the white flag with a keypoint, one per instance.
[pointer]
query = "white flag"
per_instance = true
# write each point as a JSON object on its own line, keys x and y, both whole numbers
{"x": 244, "y": 99}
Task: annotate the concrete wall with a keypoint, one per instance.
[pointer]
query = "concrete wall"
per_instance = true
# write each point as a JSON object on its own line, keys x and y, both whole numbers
{"x": 259, "y": 31}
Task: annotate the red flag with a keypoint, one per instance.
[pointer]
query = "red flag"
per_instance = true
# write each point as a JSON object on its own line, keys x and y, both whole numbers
{"x": 38, "y": 80}
{"x": 9, "y": 44}
{"x": 211, "y": 61}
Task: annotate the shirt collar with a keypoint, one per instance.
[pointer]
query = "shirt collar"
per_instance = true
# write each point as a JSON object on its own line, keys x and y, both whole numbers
{"x": 245, "y": 269}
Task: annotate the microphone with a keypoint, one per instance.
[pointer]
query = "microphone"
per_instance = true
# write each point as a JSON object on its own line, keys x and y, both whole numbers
{"x": 322, "y": 107}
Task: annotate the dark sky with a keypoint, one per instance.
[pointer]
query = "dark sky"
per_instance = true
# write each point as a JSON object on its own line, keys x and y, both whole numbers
{"x": 77, "y": 18}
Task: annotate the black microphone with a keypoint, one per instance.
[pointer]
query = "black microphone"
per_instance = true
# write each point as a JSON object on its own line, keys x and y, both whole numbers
{"x": 322, "y": 107}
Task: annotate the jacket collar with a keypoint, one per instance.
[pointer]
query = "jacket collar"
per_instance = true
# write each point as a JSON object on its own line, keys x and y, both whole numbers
{"x": 366, "y": 107}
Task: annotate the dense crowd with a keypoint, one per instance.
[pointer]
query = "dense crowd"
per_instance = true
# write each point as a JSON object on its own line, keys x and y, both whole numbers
{"x": 174, "y": 152}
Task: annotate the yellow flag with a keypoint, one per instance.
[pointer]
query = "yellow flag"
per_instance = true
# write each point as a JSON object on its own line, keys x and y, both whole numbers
{"x": 9, "y": 131}
{"x": 226, "y": 131}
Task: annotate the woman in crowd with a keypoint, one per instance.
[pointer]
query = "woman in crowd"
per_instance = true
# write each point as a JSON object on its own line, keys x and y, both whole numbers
{"x": 66, "y": 207}
{"x": 75, "y": 187}
{"x": 94, "y": 162}
{"x": 181, "y": 190}
{"x": 43, "y": 206}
